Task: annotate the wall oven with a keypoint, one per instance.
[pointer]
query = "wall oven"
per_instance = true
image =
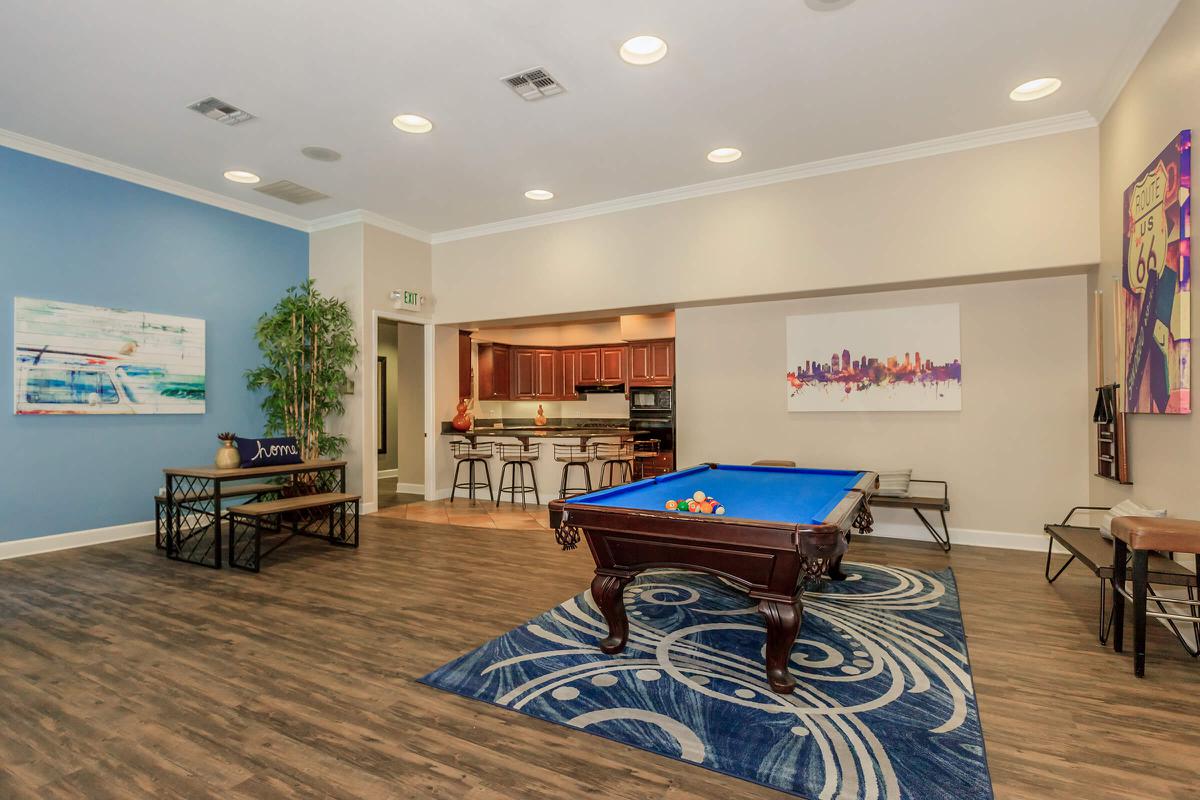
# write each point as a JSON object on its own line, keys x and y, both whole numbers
{"x": 652, "y": 412}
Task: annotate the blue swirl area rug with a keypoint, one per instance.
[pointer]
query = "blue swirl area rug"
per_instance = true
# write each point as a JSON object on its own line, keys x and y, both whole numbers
{"x": 883, "y": 709}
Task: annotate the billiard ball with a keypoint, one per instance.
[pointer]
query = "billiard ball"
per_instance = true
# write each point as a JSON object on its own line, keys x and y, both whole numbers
{"x": 692, "y": 506}
{"x": 698, "y": 496}
{"x": 672, "y": 505}
{"x": 719, "y": 511}
{"x": 706, "y": 507}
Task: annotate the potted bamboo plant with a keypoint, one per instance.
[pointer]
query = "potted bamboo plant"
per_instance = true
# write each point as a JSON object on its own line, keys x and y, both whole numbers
{"x": 309, "y": 351}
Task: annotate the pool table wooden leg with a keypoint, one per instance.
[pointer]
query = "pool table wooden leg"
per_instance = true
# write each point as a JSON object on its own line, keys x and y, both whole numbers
{"x": 834, "y": 570}
{"x": 607, "y": 590}
{"x": 783, "y": 623}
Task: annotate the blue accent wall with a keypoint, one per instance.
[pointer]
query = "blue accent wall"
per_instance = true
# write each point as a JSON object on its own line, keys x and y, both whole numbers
{"x": 74, "y": 235}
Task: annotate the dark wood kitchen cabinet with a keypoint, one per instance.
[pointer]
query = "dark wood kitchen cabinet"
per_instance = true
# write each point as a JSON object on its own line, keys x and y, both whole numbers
{"x": 612, "y": 364}
{"x": 570, "y": 375}
{"x": 524, "y": 373}
{"x": 589, "y": 365}
{"x": 652, "y": 363}
{"x": 495, "y": 372}
{"x": 547, "y": 374}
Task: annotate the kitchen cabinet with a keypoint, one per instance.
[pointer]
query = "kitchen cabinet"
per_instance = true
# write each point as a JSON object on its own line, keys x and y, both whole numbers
{"x": 547, "y": 365}
{"x": 570, "y": 374}
{"x": 612, "y": 364}
{"x": 652, "y": 363}
{"x": 589, "y": 365}
{"x": 524, "y": 373}
{"x": 495, "y": 372}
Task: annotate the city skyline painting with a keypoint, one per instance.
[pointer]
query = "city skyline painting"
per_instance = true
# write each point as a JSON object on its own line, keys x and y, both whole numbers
{"x": 80, "y": 359}
{"x": 894, "y": 359}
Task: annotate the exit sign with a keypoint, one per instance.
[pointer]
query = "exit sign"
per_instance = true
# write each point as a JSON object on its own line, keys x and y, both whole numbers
{"x": 408, "y": 299}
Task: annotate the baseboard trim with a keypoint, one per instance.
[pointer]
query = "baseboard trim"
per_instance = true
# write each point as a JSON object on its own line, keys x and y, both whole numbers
{"x": 410, "y": 488}
{"x": 969, "y": 537}
{"x": 442, "y": 494}
{"x": 369, "y": 508}
{"x": 388, "y": 473}
{"x": 73, "y": 539}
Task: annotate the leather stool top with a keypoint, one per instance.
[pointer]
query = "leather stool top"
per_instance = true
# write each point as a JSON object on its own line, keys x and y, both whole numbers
{"x": 1158, "y": 533}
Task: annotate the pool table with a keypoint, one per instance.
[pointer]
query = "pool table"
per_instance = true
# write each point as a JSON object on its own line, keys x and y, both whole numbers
{"x": 781, "y": 526}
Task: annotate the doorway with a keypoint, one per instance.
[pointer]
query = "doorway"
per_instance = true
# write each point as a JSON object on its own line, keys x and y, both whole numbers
{"x": 400, "y": 411}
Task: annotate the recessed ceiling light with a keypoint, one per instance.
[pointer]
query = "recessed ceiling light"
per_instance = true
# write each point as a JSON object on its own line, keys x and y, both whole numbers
{"x": 413, "y": 123}
{"x": 723, "y": 155}
{"x": 1035, "y": 89}
{"x": 642, "y": 50}
{"x": 539, "y": 194}
{"x": 241, "y": 176}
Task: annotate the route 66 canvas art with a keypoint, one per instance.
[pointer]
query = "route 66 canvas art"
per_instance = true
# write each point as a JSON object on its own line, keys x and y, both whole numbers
{"x": 1156, "y": 340}
{"x": 80, "y": 359}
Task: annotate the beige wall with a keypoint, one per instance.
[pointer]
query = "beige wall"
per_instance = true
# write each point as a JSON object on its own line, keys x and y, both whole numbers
{"x": 335, "y": 263}
{"x": 1028, "y": 205}
{"x": 1160, "y": 99}
{"x": 362, "y": 264}
{"x": 1015, "y": 456}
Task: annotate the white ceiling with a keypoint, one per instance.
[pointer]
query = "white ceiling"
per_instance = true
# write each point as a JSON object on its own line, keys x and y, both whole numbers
{"x": 784, "y": 83}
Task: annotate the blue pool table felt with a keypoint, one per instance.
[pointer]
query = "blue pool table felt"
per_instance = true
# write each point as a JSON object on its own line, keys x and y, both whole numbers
{"x": 767, "y": 494}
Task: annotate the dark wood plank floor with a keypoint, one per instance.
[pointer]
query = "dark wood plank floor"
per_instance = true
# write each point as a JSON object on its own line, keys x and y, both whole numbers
{"x": 123, "y": 675}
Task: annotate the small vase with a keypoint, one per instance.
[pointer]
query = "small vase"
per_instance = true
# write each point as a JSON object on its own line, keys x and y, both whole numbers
{"x": 462, "y": 420}
{"x": 227, "y": 456}
{"x": 540, "y": 419}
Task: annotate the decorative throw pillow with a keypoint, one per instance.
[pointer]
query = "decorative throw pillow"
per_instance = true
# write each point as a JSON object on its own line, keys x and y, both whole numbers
{"x": 1126, "y": 508}
{"x": 894, "y": 482}
{"x": 268, "y": 452}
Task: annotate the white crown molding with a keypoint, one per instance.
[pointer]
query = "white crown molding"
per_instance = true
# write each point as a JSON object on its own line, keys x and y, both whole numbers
{"x": 369, "y": 218}
{"x": 948, "y": 144}
{"x": 1131, "y": 56}
{"x": 65, "y": 155}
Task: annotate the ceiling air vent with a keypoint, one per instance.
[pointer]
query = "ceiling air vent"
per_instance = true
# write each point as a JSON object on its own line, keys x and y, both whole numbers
{"x": 221, "y": 111}
{"x": 534, "y": 84}
{"x": 291, "y": 192}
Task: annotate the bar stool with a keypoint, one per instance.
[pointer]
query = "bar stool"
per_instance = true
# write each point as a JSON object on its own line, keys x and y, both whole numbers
{"x": 644, "y": 451}
{"x": 573, "y": 455}
{"x": 614, "y": 457}
{"x": 515, "y": 458}
{"x": 1143, "y": 535}
{"x": 471, "y": 454}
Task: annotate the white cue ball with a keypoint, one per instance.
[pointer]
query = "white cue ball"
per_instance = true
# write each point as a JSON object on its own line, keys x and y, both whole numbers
{"x": 720, "y": 510}
{"x": 698, "y": 496}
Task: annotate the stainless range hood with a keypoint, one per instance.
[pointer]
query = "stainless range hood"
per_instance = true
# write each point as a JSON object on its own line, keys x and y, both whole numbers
{"x": 600, "y": 388}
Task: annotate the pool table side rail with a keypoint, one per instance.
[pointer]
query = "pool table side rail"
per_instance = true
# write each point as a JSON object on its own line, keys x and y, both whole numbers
{"x": 844, "y": 512}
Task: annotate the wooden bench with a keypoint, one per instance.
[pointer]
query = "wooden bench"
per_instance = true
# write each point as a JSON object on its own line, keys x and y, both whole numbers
{"x": 255, "y": 491}
{"x": 1089, "y": 547}
{"x": 923, "y": 502}
{"x": 332, "y": 516}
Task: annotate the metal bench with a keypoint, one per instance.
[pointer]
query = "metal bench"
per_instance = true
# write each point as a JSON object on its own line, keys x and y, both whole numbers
{"x": 332, "y": 516}
{"x": 918, "y": 503}
{"x": 1086, "y": 545}
{"x": 255, "y": 491}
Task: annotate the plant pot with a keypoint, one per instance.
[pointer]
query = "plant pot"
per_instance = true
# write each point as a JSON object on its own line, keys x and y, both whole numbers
{"x": 227, "y": 456}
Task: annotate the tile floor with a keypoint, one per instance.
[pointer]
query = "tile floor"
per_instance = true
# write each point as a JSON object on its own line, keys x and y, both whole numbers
{"x": 472, "y": 514}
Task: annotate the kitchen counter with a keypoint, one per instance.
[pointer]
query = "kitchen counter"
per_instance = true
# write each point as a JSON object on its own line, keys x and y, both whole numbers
{"x": 548, "y": 472}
